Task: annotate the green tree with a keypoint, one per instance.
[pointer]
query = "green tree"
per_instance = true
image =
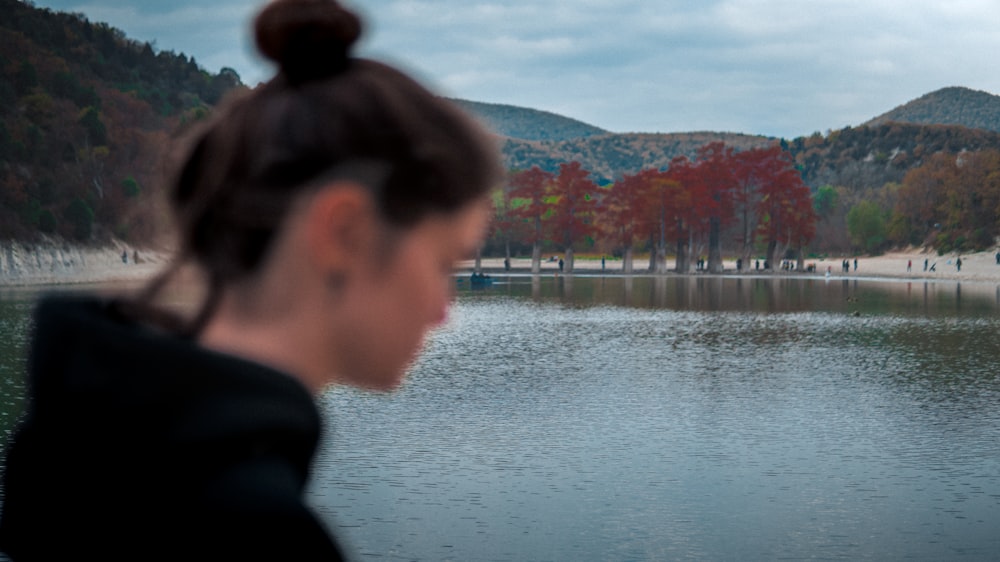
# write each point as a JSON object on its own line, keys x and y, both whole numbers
{"x": 866, "y": 225}
{"x": 80, "y": 216}
{"x": 130, "y": 187}
{"x": 90, "y": 118}
{"x": 825, "y": 201}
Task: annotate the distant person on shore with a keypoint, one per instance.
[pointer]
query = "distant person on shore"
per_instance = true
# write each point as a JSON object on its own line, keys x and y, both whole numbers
{"x": 958, "y": 263}
{"x": 325, "y": 210}
{"x": 925, "y": 264}
{"x": 909, "y": 265}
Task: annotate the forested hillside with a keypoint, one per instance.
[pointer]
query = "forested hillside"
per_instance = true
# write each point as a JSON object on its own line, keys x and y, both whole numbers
{"x": 610, "y": 156}
{"x": 860, "y": 157}
{"x": 948, "y": 106}
{"x": 860, "y": 177}
{"x": 528, "y": 124}
{"x": 85, "y": 118}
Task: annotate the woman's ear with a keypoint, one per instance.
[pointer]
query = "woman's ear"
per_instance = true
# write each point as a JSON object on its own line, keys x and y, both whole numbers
{"x": 340, "y": 226}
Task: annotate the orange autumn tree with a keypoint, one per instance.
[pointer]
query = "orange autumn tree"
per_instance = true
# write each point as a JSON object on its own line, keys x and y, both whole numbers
{"x": 687, "y": 206}
{"x": 714, "y": 187}
{"x": 763, "y": 173}
{"x": 784, "y": 206}
{"x": 527, "y": 194}
{"x": 572, "y": 208}
{"x": 629, "y": 212}
{"x": 950, "y": 201}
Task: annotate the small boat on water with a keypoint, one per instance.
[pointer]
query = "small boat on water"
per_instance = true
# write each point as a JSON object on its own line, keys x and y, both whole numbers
{"x": 478, "y": 280}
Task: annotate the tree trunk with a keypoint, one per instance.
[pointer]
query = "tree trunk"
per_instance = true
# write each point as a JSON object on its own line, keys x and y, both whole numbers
{"x": 690, "y": 253}
{"x": 748, "y": 239}
{"x": 652, "y": 255}
{"x": 661, "y": 245}
{"x": 683, "y": 263}
{"x": 627, "y": 261}
{"x": 568, "y": 265}
{"x": 714, "y": 246}
{"x": 661, "y": 258}
{"x": 772, "y": 250}
{"x": 536, "y": 248}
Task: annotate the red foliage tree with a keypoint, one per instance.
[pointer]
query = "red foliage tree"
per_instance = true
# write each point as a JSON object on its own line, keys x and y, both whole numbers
{"x": 629, "y": 212}
{"x": 678, "y": 212}
{"x": 714, "y": 189}
{"x": 528, "y": 192}
{"x": 784, "y": 206}
{"x": 757, "y": 172}
{"x": 572, "y": 207}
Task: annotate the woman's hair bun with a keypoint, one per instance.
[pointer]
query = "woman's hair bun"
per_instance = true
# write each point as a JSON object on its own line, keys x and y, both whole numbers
{"x": 308, "y": 39}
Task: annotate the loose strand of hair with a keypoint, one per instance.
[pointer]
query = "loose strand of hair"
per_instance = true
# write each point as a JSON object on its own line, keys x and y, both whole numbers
{"x": 140, "y": 307}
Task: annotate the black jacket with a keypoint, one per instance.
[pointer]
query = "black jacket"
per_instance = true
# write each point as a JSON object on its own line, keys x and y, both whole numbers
{"x": 138, "y": 445}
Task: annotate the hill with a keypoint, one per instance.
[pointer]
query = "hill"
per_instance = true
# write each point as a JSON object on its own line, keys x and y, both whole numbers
{"x": 948, "y": 106}
{"x": 609, "y": 156}
{"x": 86, "y": 115}
{"x": 540, "y": 138}
{"x": 528, "y": 124}
{"x": 871, "y": 156}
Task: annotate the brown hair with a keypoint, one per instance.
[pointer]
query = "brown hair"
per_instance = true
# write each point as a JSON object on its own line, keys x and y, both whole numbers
{"x": 324, "y": 114}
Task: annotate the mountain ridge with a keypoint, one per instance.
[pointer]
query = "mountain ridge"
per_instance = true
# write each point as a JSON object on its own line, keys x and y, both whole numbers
{"x": 528, "y": 123}
{"x": 949, "y": 119}
{"x": 951, "y": 105}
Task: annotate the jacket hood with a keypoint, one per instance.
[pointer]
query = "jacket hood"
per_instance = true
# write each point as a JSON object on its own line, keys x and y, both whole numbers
{"x": 92, "y": 367}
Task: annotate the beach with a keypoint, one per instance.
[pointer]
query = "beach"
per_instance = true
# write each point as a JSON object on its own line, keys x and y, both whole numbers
{"x": 979, "y": 267}
{"x": 58, "y": 263}
{"x": 55, "y": 263}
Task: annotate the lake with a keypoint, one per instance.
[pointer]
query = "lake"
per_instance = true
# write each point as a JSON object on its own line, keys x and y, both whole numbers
{"x": 670, "y": 418}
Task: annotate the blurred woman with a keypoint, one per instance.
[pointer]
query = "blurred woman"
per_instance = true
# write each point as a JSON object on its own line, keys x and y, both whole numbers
{"x": 325, "y": 210}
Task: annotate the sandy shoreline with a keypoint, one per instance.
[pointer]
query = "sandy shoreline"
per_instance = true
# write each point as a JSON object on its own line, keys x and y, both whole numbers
{"x": 57, "y": 263}
{"x": 52, "y": 265}
{"x": 980, "y": 267}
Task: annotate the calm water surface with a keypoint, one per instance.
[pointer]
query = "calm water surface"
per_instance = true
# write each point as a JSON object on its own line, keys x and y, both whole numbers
{"x": 672, "y": 419}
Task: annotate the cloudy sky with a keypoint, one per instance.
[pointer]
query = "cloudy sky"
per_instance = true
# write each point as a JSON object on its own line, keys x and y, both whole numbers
{"x": 774, "y": 67}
